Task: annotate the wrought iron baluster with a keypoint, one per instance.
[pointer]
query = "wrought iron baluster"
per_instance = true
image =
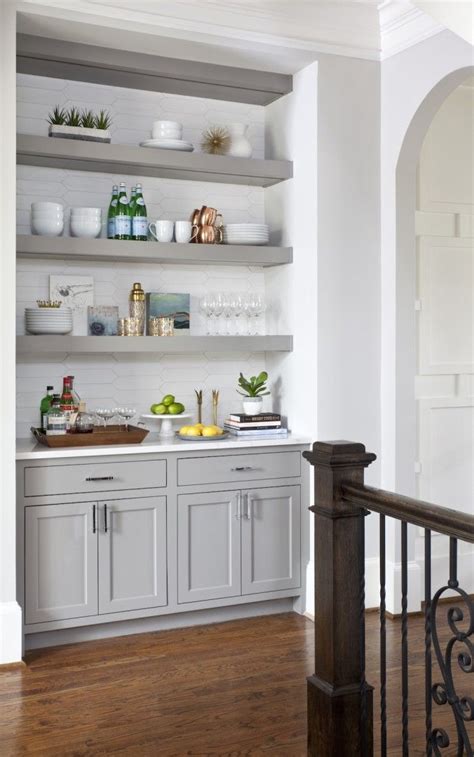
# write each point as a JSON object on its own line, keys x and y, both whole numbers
{"x": 404, "y": 532}
{"x": 428, "y": 676}
{"x": 363, "y": 701}
{"x": 383, "y": 642}
{"x": 459, "y": 647}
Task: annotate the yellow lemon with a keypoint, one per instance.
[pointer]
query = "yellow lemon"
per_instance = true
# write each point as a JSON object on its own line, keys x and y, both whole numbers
{"x": 184, "y": 430}
{"x": 209, "y": 431}
{"x": 193, "y": 431}
{"x": 199, "y": 425}
{"x": 218, "y": 429}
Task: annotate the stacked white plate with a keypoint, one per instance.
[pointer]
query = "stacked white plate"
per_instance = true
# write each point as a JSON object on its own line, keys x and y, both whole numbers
{"x": 48, "y": 320}
{"x": 166, "y": 143}
{"x": 246, "y": 233}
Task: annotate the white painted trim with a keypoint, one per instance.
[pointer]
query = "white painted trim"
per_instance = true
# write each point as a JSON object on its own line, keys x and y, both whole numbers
{"x": 157, "y": 623}
{"x": 402, "y": 26}
{"x": 393, "y": 586}
{"x": 10, "y": 632}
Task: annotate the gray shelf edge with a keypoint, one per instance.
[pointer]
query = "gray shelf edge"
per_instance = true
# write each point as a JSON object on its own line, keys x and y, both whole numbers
{"x": 46, "y": 344}
{"x": 142, "y": 161}
{"x": 62, "y": 59}
{"x": 109, "y": 250}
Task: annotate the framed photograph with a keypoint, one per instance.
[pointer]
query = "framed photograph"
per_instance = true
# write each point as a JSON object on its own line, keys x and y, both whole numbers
{"x": 102, "y": 321}
{"x": 76, "y": 292}
{"x": 175, "y": 305}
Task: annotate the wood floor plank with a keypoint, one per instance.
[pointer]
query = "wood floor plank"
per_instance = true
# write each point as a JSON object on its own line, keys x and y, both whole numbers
{"x": 229, "y": 690}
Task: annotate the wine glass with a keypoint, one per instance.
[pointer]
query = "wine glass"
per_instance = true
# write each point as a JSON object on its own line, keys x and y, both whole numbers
{"x": 259, "y": 307}
{"x": 207, "y": 307}
{"x": 228, "y": 310}
{"x": 218, "y": 301}
{"x": 127, "y": 413}
{"x": 105, "y": 414}
{"x": 238, "y": 306}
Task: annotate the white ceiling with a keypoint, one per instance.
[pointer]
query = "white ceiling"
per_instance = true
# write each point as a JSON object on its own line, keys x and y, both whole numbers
{"x": 282, "y": 34}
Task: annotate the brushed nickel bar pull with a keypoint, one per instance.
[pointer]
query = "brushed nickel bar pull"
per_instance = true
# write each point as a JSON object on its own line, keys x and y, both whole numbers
{"x": 242, "y": 468}
{"x": 105, "y": 519}
{"x": 99, "y": 478}
{"x": 238, "y": 513}
{"x": 94, "y": 524}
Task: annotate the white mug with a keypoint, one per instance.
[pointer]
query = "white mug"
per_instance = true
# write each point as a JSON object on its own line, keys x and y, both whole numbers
{"x": 162, "y": 231}
{"x": 182, "y": 231}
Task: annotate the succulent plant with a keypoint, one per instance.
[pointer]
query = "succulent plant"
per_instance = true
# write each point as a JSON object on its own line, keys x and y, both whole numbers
{"x": 58, "y": 117}
{"x": 88, "y": 119}
{"x": 103, "y": 120}
{"x": 256, "y": 386}
{"x": 73, "y": 117}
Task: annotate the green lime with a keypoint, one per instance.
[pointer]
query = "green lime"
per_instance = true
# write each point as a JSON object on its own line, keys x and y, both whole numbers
{"x": 176, "y": 408}
{"x": 168, "y": 399}
{"x": 159, "y": 409}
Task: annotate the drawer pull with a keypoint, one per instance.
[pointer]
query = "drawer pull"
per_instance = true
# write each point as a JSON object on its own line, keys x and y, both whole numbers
{"x": 105, "y": 519}
{"x": 242, "y": 468}
{"x": 94, "y": 527}
{"x": 100, "y": 478}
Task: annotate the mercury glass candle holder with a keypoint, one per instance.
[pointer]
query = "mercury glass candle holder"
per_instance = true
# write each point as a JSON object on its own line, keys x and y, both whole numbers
{"x": 161, "y": 326}
{"x": 133, "y": 327}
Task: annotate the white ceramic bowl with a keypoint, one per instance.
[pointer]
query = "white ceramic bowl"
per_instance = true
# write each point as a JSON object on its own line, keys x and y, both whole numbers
{"x": 85, "y": 228}
{"x": 86, "y": 211}
{"x": 51, "y": 227}
{"x": 48, "y": 206}
{"x": 47, "y": 217}
{"x": 160, "y": 124}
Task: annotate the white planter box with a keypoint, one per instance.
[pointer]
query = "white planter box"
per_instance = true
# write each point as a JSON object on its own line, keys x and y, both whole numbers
{"x": 79, "y": 132}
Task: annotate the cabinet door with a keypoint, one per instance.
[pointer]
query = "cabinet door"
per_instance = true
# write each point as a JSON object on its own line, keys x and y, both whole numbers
{"x": 271, "y": 551}
{"x": 208, "y": 546}
{"x": 60, "y": 562}
{"x": 132, "y": 554}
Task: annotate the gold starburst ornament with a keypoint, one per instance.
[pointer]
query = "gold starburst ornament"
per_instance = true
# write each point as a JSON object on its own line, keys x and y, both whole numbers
{"x": 215, "y": 140}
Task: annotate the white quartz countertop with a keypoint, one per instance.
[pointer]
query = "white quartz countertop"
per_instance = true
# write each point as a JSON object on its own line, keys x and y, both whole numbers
{"x": 29, "y": 449}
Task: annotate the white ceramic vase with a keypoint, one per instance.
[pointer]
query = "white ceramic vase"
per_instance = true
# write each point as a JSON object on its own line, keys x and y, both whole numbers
{"x": 240, "y": 147}
{"x": 252, "y": 405}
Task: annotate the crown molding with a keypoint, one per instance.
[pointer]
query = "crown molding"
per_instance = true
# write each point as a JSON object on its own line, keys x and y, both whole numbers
{"x": 402, "y": 26}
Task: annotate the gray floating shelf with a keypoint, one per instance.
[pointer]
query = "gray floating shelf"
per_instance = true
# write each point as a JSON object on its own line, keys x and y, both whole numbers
{"x": 142, "y": 344}
{"x": 42, "y": 56}
{"x": 143, "y": 161}
{"x": 104, "y": 250}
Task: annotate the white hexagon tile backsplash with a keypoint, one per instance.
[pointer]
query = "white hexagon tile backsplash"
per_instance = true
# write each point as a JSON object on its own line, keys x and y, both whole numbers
{"x": 131, "y": 379}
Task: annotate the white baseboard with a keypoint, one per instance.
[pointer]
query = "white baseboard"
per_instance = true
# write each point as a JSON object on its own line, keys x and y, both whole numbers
{"x": 393, "y": 573}
{"x": 10, "y": 633}
{"x": 156, "y": 623}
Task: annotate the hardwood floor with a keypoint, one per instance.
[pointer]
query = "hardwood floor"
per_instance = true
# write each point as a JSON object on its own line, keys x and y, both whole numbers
{"x": 230, "y": 690}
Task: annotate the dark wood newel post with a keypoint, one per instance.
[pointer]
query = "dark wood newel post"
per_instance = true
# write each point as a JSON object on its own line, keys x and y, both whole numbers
{"x": 339, "y": 699}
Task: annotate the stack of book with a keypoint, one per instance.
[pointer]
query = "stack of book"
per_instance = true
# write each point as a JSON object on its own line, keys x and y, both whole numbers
{"x": 255, "y": 426}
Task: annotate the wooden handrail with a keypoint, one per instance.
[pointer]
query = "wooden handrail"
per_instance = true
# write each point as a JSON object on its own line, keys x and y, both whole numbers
{"x": 443, "y": 520}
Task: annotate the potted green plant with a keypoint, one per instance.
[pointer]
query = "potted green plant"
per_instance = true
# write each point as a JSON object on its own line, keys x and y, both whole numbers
{"x": 74, "y": 124}
{"x": 254, "y": 390}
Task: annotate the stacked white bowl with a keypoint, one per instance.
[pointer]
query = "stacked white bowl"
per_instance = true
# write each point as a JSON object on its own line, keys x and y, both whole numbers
{"x": 246, "y": 233}
{"x": 48, "y": 320}
{"x": 47, "y": 218}
{"x": 167, "y": 130}
{"x": 86, "y": 222}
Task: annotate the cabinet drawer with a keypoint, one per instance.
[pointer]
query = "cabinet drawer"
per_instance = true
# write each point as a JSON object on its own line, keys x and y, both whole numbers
{"x": 236, "y": 468}
{"x": 94, "y": 477}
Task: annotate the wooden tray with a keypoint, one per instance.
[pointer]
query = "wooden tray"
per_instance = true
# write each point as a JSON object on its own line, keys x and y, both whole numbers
{"x": 99, "y": 436}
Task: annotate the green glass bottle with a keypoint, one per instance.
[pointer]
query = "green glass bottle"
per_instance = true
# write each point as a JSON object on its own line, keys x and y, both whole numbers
{"x": 45, "y": 404}
{"x": 123, "y": 219}
{"x": 112, "y": 212}
{"x": 133, "y": 199}
{"x": 139, "y": 217}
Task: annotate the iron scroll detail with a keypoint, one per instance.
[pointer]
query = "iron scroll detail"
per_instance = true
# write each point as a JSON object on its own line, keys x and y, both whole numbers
{"x": 459, "y": 648}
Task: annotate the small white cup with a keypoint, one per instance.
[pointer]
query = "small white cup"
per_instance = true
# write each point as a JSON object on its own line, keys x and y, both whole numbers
{"x": 162, "y": 231}
{"x": 182, "y": 231}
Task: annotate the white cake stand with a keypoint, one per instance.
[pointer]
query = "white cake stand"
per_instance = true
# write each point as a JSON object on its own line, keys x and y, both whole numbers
{"x": 166, "y": 421}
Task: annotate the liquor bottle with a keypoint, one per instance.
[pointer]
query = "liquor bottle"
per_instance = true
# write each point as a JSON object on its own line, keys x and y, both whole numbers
{"x": 55, "y": 418}
{"x": 75, "y": 401}
{"x": 139, "y": 217}
{"x": 67, "y": 402}
{"x": 45, "y": 404}
{"x": 123, "y": 219}
{"x": 112, "y": 213}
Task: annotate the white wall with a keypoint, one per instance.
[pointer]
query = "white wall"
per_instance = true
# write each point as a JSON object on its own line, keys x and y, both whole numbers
{"x": 414, "y": 85}
{"x": 10, "y": 614}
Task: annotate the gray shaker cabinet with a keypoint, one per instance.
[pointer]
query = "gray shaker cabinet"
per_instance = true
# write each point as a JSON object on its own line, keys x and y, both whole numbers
{"x": 208, "y": 546}
{"x": 132, "y": 554}
{"x": 60, "y": 562}
{"x": 271, "y": 552}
